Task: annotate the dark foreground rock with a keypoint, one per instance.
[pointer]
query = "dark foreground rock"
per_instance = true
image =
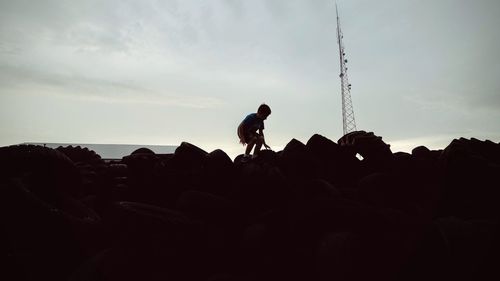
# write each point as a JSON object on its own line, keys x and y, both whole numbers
{"x": 312, "y": 211}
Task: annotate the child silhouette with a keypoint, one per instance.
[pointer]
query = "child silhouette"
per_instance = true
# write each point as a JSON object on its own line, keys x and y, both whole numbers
{"x": 250, "y": 131}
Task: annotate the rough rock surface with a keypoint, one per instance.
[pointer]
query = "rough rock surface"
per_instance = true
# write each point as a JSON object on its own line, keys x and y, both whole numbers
{"x": 312, "y": 211}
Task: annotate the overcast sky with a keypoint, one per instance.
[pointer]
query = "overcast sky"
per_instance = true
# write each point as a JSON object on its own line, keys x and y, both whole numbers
{"x": 161, "y": 72}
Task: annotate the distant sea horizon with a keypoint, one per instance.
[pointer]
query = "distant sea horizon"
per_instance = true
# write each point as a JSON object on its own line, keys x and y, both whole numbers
{"x": 112, "y": 151}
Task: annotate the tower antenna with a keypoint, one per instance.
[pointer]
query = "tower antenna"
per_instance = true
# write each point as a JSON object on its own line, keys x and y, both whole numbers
{"x": 348, "y": 122}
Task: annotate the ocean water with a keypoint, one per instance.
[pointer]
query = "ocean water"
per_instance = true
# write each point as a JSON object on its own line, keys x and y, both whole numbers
{"x": 114, "y": 151}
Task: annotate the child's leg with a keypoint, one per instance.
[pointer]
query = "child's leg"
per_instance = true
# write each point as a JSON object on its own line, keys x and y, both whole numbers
{"x": 258, "y": 144}
{"x": 250, "y": 145}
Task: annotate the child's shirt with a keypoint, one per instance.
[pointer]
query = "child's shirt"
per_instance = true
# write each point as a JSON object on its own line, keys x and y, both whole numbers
{"x": 252, "y": 123}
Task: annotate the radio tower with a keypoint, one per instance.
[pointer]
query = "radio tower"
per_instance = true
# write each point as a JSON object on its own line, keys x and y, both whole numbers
{"x": 349, "y": 124}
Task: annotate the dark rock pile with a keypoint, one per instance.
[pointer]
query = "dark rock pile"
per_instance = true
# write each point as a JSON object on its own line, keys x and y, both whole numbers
{"x": 312, "y": 211}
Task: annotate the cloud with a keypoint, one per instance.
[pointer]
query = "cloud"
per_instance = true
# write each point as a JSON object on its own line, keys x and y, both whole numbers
{"x": 439, "y": 141}
{"x": 28, "y": 81}
{"x": 464, "y": 100}
{"x": 431, "y": 142}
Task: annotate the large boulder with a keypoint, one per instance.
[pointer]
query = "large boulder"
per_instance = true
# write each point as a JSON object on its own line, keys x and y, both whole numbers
{"x": 337, "y": 164}
{"x": 470, "y": 181}
{"x": 93, "y": 172}
{"x": 49, "y": 239}
{"x": 150, "y": 243}
{"x": 188, "y": 157}
{"x": 218, "y": 173}
{"x": 296, "y": 162}
{"x": 47, "y": 172}
{"x": 377, "y": 155}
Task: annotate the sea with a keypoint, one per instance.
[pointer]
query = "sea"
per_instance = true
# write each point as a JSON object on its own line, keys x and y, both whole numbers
{"x": 113, "y": 151}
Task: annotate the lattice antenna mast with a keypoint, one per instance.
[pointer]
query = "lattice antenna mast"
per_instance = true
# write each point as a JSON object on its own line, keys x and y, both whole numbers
{"x": 349, "y": 124}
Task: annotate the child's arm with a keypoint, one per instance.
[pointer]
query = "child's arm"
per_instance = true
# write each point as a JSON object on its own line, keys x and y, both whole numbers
{"x": 261, "y": 132}
{"x": 241, "y": 134}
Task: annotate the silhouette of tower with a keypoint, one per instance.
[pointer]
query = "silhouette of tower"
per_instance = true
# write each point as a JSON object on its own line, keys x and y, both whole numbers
{"x": 349, "y": 124}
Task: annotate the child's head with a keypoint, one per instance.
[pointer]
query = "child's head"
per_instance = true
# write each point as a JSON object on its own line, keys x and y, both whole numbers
{"x": 263, "y": 111}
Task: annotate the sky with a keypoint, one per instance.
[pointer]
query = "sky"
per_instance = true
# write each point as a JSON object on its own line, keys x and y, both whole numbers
{"x": 160, "y": 72}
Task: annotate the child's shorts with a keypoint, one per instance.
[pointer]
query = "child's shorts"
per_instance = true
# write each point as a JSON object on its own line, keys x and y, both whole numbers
{"x": 249, "y": 135}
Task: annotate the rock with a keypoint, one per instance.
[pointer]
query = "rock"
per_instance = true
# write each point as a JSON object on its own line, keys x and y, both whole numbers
{"x": 312, "y": 211}
{"x": 218, "y": 173}
{"x": 376, "y": 154}
{"x": 50, "y": 240}
{"x": 421, "y": 152}
{"x": 296, "y": 162}
{"x": 470, "y": 181}
{"x": 337, "y": 164}
{"x": 142, "y": 150}
{"x": 188, "y": 157}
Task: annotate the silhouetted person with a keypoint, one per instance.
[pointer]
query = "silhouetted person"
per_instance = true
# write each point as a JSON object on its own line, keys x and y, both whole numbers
{"x": 247, "y": 131}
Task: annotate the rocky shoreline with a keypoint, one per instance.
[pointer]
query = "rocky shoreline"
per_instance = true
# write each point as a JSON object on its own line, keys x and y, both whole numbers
{"x": 312, "y": 211}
